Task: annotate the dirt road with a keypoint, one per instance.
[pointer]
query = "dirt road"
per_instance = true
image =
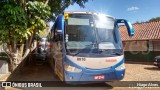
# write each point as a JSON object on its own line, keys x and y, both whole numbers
{"x": 42, "y": 72}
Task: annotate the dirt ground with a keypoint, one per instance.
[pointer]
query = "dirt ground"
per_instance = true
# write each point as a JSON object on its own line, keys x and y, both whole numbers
{"x": 141, "y": 72}
{"x": 42, "y": 72}
{"x": 134, "y": 72}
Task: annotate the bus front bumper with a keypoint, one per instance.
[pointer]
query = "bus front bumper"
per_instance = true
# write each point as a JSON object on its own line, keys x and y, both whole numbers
{"x": 92, "y": 76}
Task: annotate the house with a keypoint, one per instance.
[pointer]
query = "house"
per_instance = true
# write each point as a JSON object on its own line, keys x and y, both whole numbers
{"x": 145, "y": 44}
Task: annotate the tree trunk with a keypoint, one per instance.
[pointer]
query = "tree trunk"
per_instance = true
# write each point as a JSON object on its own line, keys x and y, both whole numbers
{"x": 17, "y": 57}
{"x": 12, "y": 65}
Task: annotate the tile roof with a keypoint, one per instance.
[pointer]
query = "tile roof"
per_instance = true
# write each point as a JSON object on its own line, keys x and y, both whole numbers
{"x": 142, "y": 31}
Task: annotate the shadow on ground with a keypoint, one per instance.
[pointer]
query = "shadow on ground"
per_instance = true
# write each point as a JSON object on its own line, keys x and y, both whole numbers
{"x": 152, "y": 68}
{"x": 34, "y": 72}
{"x": 143, "y": 63}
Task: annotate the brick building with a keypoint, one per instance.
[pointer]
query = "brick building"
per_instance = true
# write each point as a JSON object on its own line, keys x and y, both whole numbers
{"x": 145, "y": 44}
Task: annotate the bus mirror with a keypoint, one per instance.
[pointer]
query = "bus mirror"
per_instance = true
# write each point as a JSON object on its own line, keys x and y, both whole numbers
{"x": 128, "y": 25}
{"x": 59, "y": 24}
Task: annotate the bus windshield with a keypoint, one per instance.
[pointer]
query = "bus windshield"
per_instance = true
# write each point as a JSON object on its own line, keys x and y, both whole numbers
{"x": 87, "y": 33}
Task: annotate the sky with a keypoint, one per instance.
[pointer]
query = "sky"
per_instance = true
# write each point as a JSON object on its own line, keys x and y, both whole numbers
{"x": 131, "y": 10}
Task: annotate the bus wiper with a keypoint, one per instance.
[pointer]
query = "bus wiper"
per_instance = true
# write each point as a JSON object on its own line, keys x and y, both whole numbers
{"x": 92, "y": 44}
{"x": 77, "y": 53}
{"x": 116, "y": 53}
{"x": 87, "y": 46}
{"x": 110, "y": 52}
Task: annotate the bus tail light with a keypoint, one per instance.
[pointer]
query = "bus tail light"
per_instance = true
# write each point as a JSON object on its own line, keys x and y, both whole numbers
{"x": 122, "y": 66}
{"x": 70, "y": 68}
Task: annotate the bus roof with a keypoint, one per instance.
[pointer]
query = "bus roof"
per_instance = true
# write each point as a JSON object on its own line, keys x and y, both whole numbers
{"x": 82, "y": 12}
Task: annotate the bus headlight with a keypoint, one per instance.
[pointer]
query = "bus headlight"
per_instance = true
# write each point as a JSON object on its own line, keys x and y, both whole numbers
{"x": 70, "y": 68}
{"x": 122, "y": 66}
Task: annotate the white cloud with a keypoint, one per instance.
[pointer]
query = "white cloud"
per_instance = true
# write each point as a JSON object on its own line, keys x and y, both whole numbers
{"x": 133, "y": 8}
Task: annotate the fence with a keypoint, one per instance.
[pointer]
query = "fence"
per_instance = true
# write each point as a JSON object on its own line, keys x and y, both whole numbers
{"x": 141, "y": 56}
{"x": 3, "y": 61}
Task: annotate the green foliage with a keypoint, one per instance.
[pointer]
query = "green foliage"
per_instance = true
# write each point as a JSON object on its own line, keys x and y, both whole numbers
{"x": 151, "y": 20}
{"x": 38, "y": 9}
{"x": 18, "y": 23}
{"x": 37, "y": 12}
{"x": 3, "y": 56}
{"x": 58, "y": 6}
{"x": 19, "y": 19}
{"x": 22, "y": 19}
{"x": 154, "y": 19}
{"x": 12, "y": 22}
{"x": 43, "y": 33}
{"x": 140, "y": 57}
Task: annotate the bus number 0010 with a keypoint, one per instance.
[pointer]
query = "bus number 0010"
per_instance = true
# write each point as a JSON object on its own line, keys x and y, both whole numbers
{"x": 81, "y": 59}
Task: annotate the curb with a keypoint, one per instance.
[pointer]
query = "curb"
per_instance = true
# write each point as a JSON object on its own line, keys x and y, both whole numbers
{"x": 4, "y": 77}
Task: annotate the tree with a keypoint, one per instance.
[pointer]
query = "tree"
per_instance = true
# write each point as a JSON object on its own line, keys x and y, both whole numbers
{"x": 57, "y": 6}
{"x": 20, "y": 20}
{"x": 154, "y": 19}
{"x": 18, "y": 26}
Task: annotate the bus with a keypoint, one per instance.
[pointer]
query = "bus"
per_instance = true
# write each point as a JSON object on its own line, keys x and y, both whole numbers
{"x": 87, "y": 47}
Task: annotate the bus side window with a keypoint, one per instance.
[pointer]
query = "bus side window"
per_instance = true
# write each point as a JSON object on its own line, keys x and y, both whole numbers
{"x": 52, "y": 33}
{"x": 51, "y": 36}
{"x": 56, "y": 37}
